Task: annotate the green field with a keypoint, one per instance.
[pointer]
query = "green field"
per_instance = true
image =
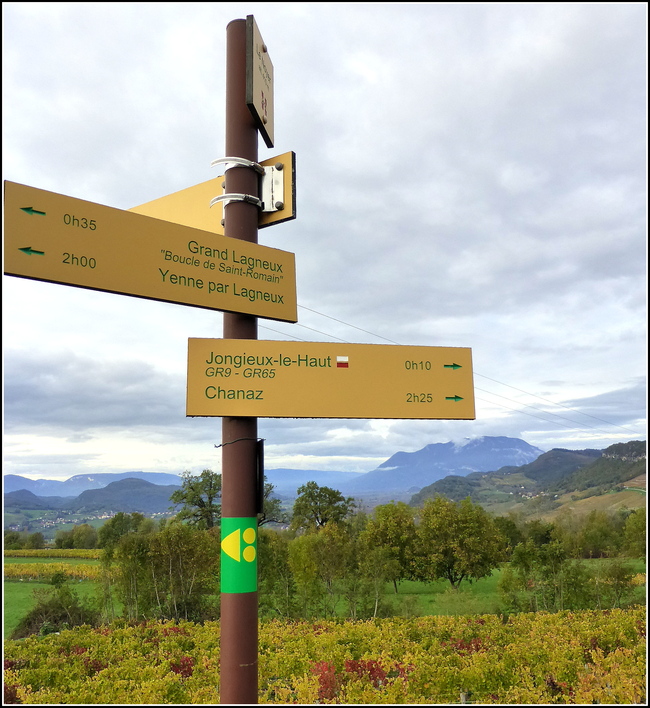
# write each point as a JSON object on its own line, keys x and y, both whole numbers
{"x": 412, "y": 599}
{"x": 19, "y": 600}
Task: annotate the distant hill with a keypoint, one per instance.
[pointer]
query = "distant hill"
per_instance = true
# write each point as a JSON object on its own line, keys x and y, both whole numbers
{"x": 556, "y": 464}
{"x": 74, "y": 486}
{"x": 408, "y": 470}
{"x": 551, "y": 475}
{"x": 127, "y": 495}
{"x": 493, "y": 471}
{"x": 499, "y": 485}
{"x": 619, "y": 463}
{"x": 24, "y": 499}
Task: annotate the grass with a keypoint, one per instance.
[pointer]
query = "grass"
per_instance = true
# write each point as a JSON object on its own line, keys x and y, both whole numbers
{"x": 19, "y": 600}
{"x": 612, "y": 501}
{"x": 439, "y": 598}
{"x": 412, "y": 599}
{"x": 19, "y": 594}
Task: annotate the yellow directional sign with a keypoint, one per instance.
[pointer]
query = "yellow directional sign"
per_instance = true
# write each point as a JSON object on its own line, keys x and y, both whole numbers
{"x": 61, "y": 239}
{"x": 191, "y": 206}
{"x": 275, "y": 379}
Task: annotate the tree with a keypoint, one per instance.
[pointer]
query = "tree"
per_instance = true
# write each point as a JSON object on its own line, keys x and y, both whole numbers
{"x": 303, "y": 562}
{"x": 169, "y": 574}
{"x": 634, "y": 534}
{"x": 184, "y": 571}
{"x": 614, "y": 583}
{"x": 35, "y": 540}
{"x": 112, "y": 530}
{"x": 456, "y": 542}
{"x": 133, "y": 576}
{"x": 510, "y": 530}
{"x": 272, "y": 508}
{"x": 545, "y": 578}
{"x": 13, "y": 540}
{"x": 315, "y": 506}
{"x": 63, "y": 539}
{"x": 539, "y": 532}
{"x": 200, "y": 496}
{"x": 277, "y": 589}
{"x": 84, "y": 536}
{"x": 393, "y": 529}
{"x": 598, "y": 537}
{"x": 376, "y": 567}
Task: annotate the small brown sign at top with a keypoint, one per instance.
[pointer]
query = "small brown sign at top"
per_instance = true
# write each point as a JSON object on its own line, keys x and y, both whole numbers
{"x": 259, "y": 81}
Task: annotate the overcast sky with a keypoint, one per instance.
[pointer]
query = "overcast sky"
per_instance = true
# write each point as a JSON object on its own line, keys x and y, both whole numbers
{"x": 468, "y": 175}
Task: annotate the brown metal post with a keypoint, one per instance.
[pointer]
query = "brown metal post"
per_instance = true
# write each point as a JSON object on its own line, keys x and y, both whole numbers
{"x": 239, "y": 611}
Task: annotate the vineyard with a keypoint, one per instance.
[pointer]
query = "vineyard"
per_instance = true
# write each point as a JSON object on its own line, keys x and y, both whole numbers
{"x": 533, "y": 658}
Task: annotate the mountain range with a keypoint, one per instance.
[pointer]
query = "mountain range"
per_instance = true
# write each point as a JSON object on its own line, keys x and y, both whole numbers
{"x": 74, "y": 486}
{"x": 453, "y": 469}
{"x": 410, "y": 471}
{"x": 581, "y": 473}
{"x": 127, "y": 495}
{"x": 402, "y": 474}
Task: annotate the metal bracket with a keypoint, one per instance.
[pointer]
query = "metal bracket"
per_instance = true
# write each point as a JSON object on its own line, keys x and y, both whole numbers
{"x": 272, "y": 188}
{"x": 234, "y": 197}
{"x": 271, "y": 184}
{"x": 231, "y": 162}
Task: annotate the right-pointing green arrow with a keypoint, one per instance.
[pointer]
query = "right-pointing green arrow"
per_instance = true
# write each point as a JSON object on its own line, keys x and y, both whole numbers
{"x": 453, "y": 366}
{"x": 31, "y": 252}
{"x": 453, "y": 398}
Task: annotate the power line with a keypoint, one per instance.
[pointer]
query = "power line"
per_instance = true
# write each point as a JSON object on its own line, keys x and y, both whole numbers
{"x": 541, "y": 398}
{"x": 532, "y": 415}
{"x": 372, "y": 334}
{"x": 347, "y": 324}
{"x": 523, "y": 412}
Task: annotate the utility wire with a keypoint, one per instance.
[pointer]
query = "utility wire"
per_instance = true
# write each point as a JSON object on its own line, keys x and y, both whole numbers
{"x": 556, "y": 404}
{"x": 372, "y": 334}
{"x": 532, "y": 415}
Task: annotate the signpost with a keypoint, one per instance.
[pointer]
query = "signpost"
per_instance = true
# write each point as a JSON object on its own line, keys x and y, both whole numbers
{"x": 70, "y": 241}
{"x": 172, "y": 249}
{"x": 277, "y": 379}
{"x": 239, "y": 467}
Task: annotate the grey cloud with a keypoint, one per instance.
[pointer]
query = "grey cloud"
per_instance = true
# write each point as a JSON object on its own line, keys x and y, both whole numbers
{"x": 65, "y": 392}
{"x": 468, "y": 175}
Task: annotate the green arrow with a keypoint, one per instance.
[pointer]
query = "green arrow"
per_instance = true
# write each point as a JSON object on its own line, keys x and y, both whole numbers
{"x": 31, "y": 252}
{"x": 453, "y": 366}
{"x": 31, "y": 210}
{"x": 453, "y": 398}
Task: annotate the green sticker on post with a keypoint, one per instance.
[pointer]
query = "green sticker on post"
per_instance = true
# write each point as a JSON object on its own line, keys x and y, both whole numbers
{"x": 239, "y": 554}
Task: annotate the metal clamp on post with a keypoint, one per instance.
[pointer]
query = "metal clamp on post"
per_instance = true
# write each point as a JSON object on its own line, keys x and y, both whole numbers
{"x": 231, "y": 162}
{"x": 271, "y": 184}
{"x": 227, "y": 198}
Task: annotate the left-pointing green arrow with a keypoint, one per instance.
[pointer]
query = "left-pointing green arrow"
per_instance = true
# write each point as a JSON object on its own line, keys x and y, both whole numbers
{"x": 453, "y": 398}
{"x": 31, "y": 252}
{"x": 31, "y": 210}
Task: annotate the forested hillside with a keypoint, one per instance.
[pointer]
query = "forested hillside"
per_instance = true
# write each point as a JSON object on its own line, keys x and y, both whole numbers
{"x": 552, "y": 474}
